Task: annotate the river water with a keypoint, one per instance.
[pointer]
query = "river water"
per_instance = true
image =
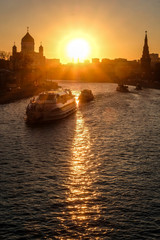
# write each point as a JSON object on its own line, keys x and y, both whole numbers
{"x": 93, "y": 175}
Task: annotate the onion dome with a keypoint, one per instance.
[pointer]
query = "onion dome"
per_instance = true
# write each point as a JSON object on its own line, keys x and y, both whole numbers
{"x": 28, "y": 38}
{"x": 27, "y": 43}
{"x": 14, "y": 47}
{"x": 40, "y": 48}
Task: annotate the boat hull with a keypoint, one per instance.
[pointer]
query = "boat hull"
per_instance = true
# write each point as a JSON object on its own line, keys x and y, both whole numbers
{"x": 86, "y": 96}
{"x": 52, "y": 114}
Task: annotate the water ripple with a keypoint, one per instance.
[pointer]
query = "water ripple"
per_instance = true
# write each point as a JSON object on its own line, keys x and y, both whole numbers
{"x": 94, "y": 175}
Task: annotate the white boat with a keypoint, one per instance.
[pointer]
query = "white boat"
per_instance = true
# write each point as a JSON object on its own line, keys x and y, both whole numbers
{"x": 51, "y": 105}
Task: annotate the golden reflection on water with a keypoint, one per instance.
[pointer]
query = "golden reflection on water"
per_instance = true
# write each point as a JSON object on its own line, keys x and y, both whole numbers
{"x": 81, "y": 193}
{"x": 79, "y": 179}
{"x": 77, "y": 100}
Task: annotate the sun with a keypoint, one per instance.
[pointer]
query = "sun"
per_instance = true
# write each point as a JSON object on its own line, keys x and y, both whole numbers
{"x": 78, "y": 50}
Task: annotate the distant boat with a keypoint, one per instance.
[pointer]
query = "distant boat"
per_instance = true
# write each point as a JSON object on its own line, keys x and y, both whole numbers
{"x": 86, "y": 96}
{"x": 122, "y": 88}
{"x": 138, "y": 86}
{"x": 50, "y": 106}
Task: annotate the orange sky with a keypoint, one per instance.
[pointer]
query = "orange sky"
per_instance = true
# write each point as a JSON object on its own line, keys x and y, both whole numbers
{"x": 113, "y": 28}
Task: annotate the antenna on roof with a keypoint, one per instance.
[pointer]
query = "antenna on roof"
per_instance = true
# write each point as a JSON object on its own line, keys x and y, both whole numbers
{"x": 27, "y": 29}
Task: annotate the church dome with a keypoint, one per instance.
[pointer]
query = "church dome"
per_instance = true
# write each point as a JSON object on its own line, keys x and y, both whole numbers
{"x": 27, "y": 43}
{"x": 28, "y": 38}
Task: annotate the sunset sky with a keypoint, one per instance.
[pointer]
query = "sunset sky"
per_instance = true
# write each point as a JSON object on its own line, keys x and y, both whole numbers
{"x": 113, "y": 28}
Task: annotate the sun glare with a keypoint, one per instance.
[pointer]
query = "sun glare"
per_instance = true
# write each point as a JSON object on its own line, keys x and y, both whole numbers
{"x": 78, "y": 50}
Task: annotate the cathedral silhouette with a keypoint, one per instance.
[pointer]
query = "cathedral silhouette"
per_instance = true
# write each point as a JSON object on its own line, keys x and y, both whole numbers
{"x": 27, "y": 56}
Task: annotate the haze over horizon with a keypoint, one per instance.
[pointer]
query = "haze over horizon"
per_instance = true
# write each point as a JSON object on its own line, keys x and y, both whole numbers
{"x": 113, "y": 28}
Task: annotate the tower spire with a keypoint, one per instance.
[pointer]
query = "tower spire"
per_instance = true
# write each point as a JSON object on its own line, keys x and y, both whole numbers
{"x": 145, "y": 48}
{"x": 146, "y": 60}
{"x": 146, "y": 39}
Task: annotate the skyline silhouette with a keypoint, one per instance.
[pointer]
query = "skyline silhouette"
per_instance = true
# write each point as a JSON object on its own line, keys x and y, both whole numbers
{"x": 113, "y": 29}
{"x": 78, "y": 51}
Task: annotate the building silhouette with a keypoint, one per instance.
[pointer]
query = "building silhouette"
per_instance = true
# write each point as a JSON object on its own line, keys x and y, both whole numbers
{"x": 146, "y": 60}
{"x": 31, "y": 67}
{"x": 154, "y": 58}
{"x": 27, "y": 58}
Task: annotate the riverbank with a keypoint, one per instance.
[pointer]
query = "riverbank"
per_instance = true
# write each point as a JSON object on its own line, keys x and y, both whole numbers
{"x": 21, "y": 93}
{"x": 18, "y": 94}
{"x": 12, "y": 96}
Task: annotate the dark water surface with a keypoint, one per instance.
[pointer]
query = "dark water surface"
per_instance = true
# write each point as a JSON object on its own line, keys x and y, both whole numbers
{"x": 93, "y": 175}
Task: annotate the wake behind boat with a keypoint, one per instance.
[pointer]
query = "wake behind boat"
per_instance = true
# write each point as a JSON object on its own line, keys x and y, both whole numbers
{"x": 51, "y": 105}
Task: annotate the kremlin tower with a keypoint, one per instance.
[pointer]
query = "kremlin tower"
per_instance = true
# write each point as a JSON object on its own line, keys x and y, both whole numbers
{"x": 146, "y": 60}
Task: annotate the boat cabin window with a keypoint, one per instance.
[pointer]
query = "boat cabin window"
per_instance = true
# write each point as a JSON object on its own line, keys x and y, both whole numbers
{"x": 51, "y": 97}
{"x": 62, "y": 99}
